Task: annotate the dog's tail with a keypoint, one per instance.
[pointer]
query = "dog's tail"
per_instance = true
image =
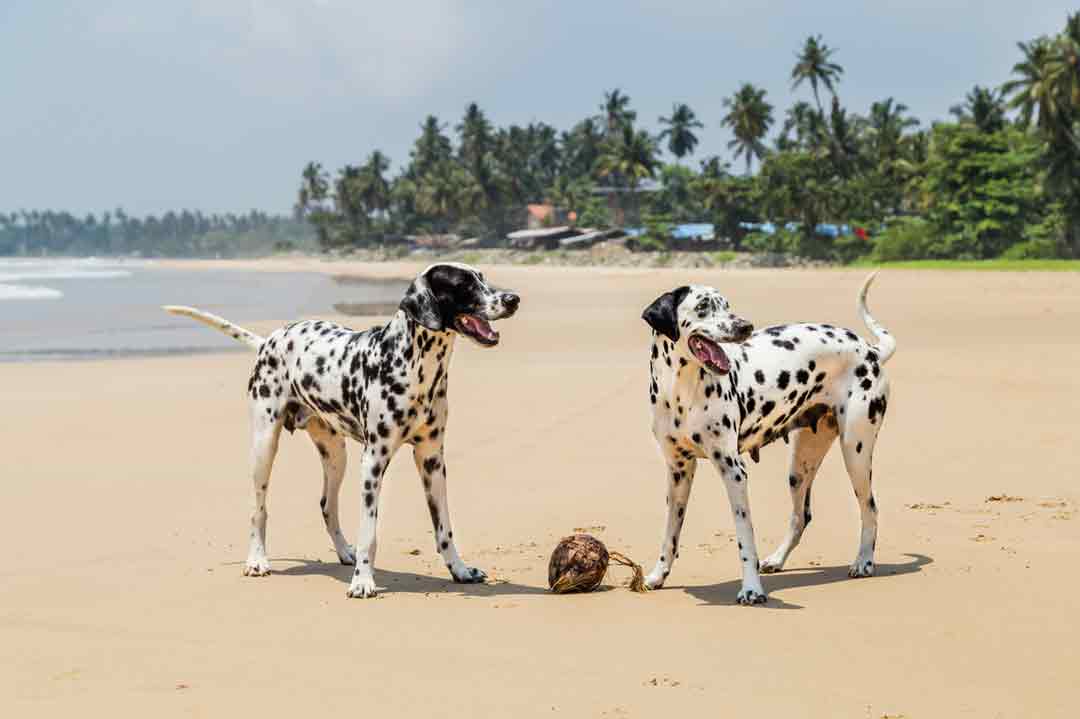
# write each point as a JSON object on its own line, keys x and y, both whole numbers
{"x": 251, "y": 339}
{"x": 886, "y": 344}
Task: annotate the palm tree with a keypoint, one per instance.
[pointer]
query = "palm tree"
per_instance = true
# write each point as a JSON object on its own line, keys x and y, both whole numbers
{"x": 808, "y": 125}
{"x": 375, "y": 189}
{"x": 313, "y": 187}
{"x": 887, "y": 124}
{"x": 431, "y": 148}
{"x": 474, "y": 133}
{"x": 628, "y": 159}
{"x": 814, "y": 64}
{"x": 1036, "y": 91}
{"x": 680, "y": 130}
{"x": 543, "y": 143}
{"x": 616, "y": 111}
{"x": 982, "y": 107}
{"x": 845, "y": 139}
{"x": 749, "y": 116}
{"x": 581, "y": 147}
{"x": 438, "y": 194}
{"x": 1048, "y": 89}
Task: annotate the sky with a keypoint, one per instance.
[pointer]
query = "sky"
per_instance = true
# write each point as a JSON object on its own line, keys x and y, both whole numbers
{"x": 216, "y": 105}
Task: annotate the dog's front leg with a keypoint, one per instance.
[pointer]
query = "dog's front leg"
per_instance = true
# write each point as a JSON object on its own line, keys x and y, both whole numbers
{"x": 431, "y": 466}
{"x": 733, "y": 471}
{"x": 372, "y": 469}
{"x": 680, "y": 477}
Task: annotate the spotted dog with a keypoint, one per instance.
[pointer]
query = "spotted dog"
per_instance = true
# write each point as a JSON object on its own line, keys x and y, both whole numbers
{"x": 720, "y": 390}
{"x": 383, "y": 387}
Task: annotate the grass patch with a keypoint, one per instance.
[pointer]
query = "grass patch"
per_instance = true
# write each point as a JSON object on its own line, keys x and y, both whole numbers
{"x": 471, "y": 258}
{"x": 723, "y": 257}
{"x": 997, "y": 265}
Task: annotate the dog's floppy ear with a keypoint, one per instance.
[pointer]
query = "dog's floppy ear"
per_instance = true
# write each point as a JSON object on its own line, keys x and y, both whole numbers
{"x": 663, "y": 314}
{"x": 420, "y": 304}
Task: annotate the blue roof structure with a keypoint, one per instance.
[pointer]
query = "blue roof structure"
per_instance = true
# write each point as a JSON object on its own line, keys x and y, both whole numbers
{"x": 693, "y": 230}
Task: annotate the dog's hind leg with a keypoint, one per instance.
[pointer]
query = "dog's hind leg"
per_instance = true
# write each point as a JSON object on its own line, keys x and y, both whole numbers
{"x": 864, "y": 414}
{"x": 373, "y": 466}
{"x": 332, "y": 452}
{"x": 681, "y": 469}
{"x": 808, "y": 449}
{"x": 265, "y": 431}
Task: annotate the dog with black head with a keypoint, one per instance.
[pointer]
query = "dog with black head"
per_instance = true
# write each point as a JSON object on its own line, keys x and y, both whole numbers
{"x": 718, "y": 390}
{"x": 383, "y": 387}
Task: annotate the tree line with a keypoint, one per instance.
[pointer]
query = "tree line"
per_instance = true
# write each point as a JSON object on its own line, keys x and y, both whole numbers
{"x": 172, "y": 234}
{"x": 1002, "y": 176}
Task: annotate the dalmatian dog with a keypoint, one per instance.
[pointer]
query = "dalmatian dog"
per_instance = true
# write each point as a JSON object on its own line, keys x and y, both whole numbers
{"x": 383, "y": 387}
{"x": 720, "y": 390}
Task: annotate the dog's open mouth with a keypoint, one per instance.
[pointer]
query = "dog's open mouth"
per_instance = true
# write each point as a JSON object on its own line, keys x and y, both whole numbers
{"x": 478, "y": 329}
{"x": 709, "y": 354}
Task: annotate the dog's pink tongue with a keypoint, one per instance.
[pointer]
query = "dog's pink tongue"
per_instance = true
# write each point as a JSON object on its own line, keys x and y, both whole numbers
{"x": 717, "y": 356}
{"x": 481, "y": 327}
{"x": 711, "y": 354}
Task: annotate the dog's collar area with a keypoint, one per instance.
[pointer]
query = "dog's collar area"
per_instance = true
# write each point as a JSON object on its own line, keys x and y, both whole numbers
{"x": 709, "y": 354}
{"x": 477, "y": 329}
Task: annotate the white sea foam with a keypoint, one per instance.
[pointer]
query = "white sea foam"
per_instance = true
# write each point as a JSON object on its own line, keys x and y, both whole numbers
{"x": 61, "y": 274}
{"x": 28, "y": 292}
{"x": 21, "y": 270}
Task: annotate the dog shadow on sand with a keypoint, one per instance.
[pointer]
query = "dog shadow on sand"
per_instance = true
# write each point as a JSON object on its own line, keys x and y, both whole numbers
{"x": 403, "y": 582}
{"x": 723, "y": 594}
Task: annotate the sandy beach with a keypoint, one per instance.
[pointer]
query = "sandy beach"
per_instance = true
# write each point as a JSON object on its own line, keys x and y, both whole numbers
{"x": 126, "y": 495}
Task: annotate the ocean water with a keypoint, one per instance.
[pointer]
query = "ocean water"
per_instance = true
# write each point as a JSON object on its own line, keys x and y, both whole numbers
{"x": 70, "y": 309}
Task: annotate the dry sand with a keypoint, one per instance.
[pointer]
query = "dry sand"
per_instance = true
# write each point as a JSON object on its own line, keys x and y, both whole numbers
{"x": 125, "y": 497}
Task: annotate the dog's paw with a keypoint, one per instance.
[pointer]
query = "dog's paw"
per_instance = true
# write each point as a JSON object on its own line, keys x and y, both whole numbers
{"x": 469, "y": 575}
{"x": 655, "y": 579}
{"x": 861, "y": 568}
{"x": 751, "y": 596}
{"x": 257, "y": 567}
{"x": 361, "y": 588}
{"x": 771, "y": 565}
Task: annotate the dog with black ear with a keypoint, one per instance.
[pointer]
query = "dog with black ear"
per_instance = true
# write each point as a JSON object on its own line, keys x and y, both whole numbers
{"x": 720, "y": 390}
{"x": 383, "y": 387}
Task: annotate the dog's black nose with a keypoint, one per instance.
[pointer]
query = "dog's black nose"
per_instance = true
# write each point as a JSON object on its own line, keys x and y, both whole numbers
{"x": 742, "y": 328}
{"x": 511, "y": 301}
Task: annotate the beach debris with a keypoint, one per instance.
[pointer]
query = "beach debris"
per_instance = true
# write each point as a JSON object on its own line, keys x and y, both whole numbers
{"x": 925, "y": 505}
{"x": 580, "y": 562}
{"x": 1003, "y": 498}
{"x": 663, "y": 682}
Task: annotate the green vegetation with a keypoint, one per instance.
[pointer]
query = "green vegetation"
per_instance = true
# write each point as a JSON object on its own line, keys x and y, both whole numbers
{"x": 983, "y": 185}
{"x": 1001, "y": 179}
{"x": 173, "y": 234}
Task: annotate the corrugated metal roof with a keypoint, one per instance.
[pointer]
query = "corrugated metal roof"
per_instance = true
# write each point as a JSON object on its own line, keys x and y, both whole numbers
{"x": 542, "y": 232}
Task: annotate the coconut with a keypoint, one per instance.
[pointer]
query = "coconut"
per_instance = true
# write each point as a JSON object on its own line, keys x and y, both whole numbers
{"x": 580, "y": 562}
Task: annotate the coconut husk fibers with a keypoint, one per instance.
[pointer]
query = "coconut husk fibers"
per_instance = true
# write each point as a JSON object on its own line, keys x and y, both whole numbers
{"x": 580, "y": 562}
